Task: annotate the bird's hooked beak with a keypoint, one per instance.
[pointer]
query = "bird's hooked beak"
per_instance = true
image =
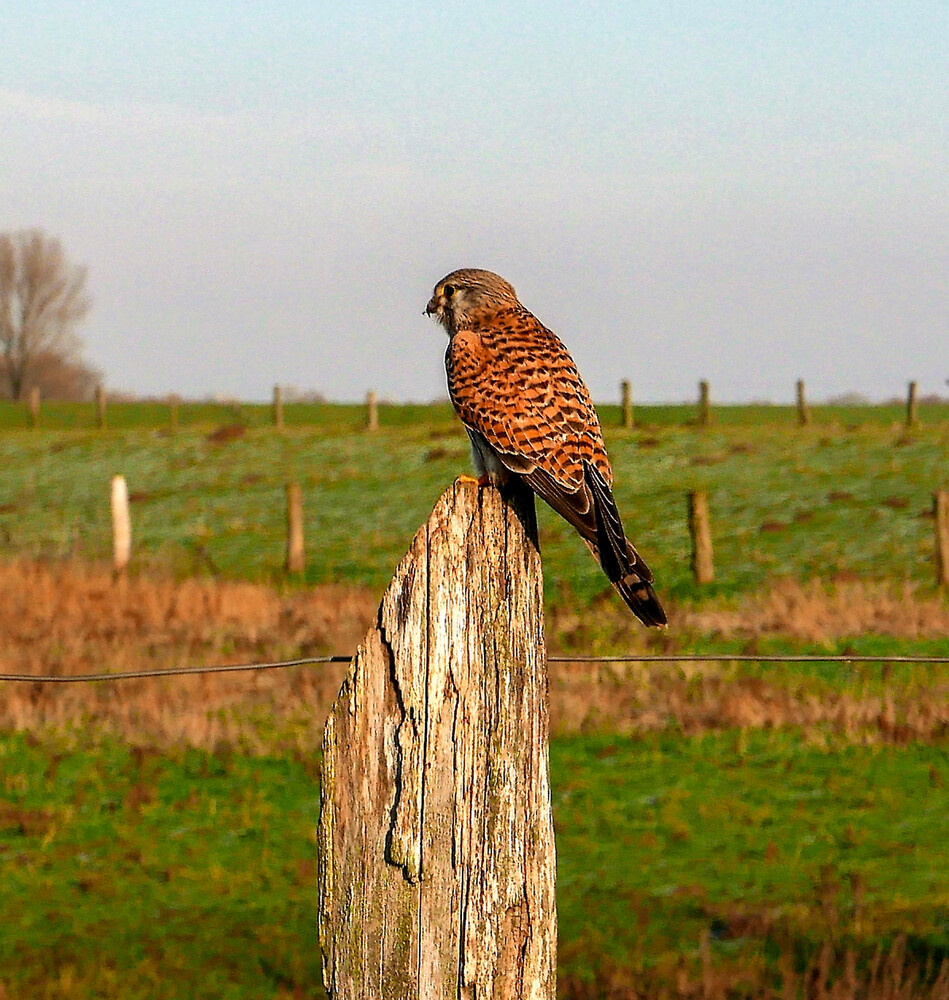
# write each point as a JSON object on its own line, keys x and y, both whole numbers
{"x": 437, "y": 307}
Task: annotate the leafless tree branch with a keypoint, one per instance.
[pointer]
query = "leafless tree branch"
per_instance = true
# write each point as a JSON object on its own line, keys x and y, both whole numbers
{"x": 42, "y": 300}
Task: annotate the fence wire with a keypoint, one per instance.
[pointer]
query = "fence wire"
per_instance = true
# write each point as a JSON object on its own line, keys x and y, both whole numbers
{"x": 130, "y": 675}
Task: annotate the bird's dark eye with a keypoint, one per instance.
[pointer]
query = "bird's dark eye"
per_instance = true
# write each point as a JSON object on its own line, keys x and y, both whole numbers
{"x": 449, "y": 291}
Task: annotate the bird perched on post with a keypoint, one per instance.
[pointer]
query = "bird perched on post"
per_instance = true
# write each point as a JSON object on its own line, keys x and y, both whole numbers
{"x": 530, "y": 417}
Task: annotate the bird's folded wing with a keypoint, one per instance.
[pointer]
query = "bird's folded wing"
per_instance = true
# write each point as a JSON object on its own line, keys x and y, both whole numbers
{"x": 530, "y": 406}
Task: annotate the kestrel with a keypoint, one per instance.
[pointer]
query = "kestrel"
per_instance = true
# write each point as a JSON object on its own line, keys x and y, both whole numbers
{"x": 529, "y": 416}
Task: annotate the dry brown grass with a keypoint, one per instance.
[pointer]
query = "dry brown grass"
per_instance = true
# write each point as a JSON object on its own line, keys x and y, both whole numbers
{"x": 697, "y": 696}
{"x": 633, "y": 697}
{"x": 817, "y": 612}
{"x": 68, "y": 618}
{"x": 834, "y": 972}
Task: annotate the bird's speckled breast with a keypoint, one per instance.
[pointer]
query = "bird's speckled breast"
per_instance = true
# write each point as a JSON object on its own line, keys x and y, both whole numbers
{"x": 513, "y": 380}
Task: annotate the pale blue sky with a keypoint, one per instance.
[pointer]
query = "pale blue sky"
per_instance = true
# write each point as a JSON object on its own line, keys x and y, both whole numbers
{"x": 745, "y": 192}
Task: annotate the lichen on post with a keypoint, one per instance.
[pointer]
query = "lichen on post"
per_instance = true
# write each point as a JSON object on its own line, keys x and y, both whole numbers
{"x": 437, "y": 862}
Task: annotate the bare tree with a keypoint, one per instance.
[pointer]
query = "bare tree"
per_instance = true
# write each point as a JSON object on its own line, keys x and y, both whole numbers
{"x": 60, "y": 379}
{"x": 42, "y": 300}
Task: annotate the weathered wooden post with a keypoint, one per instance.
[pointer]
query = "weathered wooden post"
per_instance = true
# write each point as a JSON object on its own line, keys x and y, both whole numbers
{"x": 705, "y": 407}
{"x": 911, "y": 408}
{"x": 278, "y": 407}
{"x": 436, "y": 839}
{"x": 372, "y": 411}
{"x": 700, "y": 531}
{"x": 941, "y": 512}
{"x": 100, "y": 406}
{"x": 121, "y": 525}
{"x": 34, "y": 405}
{"x": 296, "y": 560}
{"x": 803, "y": 413}
{"x": 626, "y": 391}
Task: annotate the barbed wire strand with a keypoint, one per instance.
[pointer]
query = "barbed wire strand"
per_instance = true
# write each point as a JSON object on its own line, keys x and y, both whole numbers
{"x": 170, "y": 671}
{"x": 747, "y": 658}
{"x": 843, "y": 658}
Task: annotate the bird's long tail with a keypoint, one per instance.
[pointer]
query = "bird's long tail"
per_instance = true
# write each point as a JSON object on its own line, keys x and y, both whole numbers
{"x": 623, "y": 565}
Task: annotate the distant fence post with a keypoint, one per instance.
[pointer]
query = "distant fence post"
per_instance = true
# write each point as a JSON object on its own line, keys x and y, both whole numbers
{"x": 121, "y": 525}
{"x": 705, "y": 408}
{"x": 700, "y": 531}
{"x": 941, "y": 512}
{"x": 173, "y": 401}
{"x": 911, "y": 409}
{"x": 278, "y": 407}
{"x": 803, "y": 413}
{"x": 100, "y": 406}
{"x": 372, "y": 411}
{"x": 436, "y": 842}
{"x": 626, "y": 393}
{"x": 34, "y": 406}
{"x": 296, "y": 560}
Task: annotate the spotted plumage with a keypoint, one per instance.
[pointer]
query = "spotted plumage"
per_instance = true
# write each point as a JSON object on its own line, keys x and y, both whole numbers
{"x": 529, "y": 415}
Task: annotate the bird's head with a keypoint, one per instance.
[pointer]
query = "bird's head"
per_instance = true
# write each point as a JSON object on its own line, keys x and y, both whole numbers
{"x": 467, "y": 295}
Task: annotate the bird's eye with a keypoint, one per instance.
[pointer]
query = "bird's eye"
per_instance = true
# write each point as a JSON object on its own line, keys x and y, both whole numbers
{"x": 448, "y": 291}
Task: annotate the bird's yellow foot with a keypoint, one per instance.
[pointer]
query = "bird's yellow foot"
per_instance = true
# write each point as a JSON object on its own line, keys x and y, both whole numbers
{"x": 483, "y": 481}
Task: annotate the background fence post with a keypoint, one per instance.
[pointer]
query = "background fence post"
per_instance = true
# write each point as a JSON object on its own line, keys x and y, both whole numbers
{"x": 803, "y": 414}
{"x": 34, "y": 406}
{"x": 278, "y": 407}
{"x": 173, "y": 400}
{"x": 436, "y": 839}
{"x": 121, "y": 525}
{"x": 296, "y": 560}
{"x": 705, "y": 408}
{"x": 911, "y": 409}
{"x": 100, "y": 407}
{"x": 372, "y": 411}
{"x": 941, "y": 512}
{"x": 626, "y": 392}
{"x": 701, "y": 532}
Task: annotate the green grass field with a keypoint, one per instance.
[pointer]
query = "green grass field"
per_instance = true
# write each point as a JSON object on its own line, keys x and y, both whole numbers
{"x": 194, "y": 874}
{"x": 156, "y": 415}
{"x": 828, "y": 499}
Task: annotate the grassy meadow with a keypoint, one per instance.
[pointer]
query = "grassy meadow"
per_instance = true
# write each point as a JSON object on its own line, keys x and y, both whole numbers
{"x": 723, "y": 829}
{"x": 728, "y": 864}
{"x": 832, "y": 499}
